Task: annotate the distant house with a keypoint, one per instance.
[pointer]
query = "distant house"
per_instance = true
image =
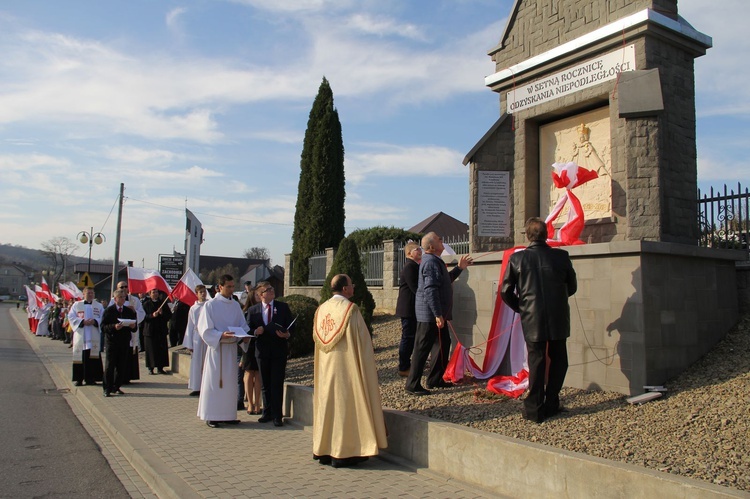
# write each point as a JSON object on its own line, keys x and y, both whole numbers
{"x": 12, "y": 279}
{"x": 251, "y": 269}
{"x": 443, "y": 225}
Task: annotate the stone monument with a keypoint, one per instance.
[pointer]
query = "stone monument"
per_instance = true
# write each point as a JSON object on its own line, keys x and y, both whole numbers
{"x": 608, "y": 85}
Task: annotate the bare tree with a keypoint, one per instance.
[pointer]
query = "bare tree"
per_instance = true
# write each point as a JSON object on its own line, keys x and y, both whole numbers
{"x": 211, "y": 277}
{"x": 257, "y": 253}
{"x": 58, "y": 251}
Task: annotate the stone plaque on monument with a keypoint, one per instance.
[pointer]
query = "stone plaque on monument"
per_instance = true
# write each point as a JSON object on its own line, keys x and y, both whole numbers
{"x": 493, "y": 203}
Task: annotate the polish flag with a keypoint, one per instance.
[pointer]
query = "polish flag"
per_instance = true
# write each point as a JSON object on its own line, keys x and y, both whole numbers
{"x": 46, "y": 290}
{"x": 144, "y": 280}
{"x": 39, "y": 293}
{"x": 68, "y": 294}
{"x": 34, "y": 302}
{"x": 73, "y": 288}
{"x": 184, "y": 290}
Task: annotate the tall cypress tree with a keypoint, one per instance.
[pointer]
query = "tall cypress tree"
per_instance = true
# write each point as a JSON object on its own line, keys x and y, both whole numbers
{"x": 319, "y": 216}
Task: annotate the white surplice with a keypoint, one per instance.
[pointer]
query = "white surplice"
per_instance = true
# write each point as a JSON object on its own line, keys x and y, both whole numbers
{"x": 85, "y": 337}
{"x": 219, "y": 389}
{"x": 194, "y": 342}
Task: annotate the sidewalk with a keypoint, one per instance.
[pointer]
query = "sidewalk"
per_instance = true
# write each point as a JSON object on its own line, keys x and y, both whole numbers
{"x": 156, "y": 431}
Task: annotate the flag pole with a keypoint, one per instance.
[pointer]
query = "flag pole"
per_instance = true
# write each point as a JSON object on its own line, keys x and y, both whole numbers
{"x": 116, "y": 261}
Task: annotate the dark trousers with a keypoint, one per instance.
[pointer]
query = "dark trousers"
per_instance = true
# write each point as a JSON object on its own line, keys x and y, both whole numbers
{"x": 406, "y": 347}
{"x": 272, "y": 369}
{"x": 429, "y": 338}
{"x": 116, "y": 357}
{"x": 543, "y": 400}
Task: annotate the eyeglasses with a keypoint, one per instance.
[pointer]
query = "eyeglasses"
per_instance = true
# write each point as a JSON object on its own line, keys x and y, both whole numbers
{"x": 122, "y": 287}
{"x": 267, "y": 290}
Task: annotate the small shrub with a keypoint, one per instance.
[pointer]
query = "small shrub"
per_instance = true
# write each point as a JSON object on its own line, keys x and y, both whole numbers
{"x": 303, "y": 307}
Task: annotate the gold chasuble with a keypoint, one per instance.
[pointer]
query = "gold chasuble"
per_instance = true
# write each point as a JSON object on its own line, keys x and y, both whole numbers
{"x": 347, "y": 410}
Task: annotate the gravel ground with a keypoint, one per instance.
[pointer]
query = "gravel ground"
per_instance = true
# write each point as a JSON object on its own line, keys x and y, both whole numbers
{"x": 698, "y": 430}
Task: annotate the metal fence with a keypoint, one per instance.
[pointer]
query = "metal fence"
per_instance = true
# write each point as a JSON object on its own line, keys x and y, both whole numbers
{"x": 372, "y": 264}
{"x": 317, "y": 273}
{"x": 723, "y": 218}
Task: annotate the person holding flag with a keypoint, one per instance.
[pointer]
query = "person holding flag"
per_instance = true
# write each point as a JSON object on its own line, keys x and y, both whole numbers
{"x": 190, "y": 290}
{"x": 155, "y": 331}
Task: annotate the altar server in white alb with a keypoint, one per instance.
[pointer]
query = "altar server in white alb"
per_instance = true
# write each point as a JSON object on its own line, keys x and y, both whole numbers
{"x": 85, "y": 319}
{"x": 219, "y": 388}
{"x": 195, "y": 343}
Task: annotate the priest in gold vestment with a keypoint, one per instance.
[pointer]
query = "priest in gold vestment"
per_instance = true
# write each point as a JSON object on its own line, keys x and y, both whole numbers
{"x": 348, "y": 424}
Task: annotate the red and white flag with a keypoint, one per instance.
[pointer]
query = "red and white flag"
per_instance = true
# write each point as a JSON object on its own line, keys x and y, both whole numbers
{"x": 73, "y": 288}
{"x": 40, "y": 293}
{"x": 66, "y": 292}
{"x": 46, "y": 290}
{"x": 144, "y": 280}
{"x": 34, "y": 302}
{"x": 184, "y": 290}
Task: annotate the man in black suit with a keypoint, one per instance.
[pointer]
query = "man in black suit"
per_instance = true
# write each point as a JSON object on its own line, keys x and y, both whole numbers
{"x": 269, "y": 321}
{"x": 117, "y": 342}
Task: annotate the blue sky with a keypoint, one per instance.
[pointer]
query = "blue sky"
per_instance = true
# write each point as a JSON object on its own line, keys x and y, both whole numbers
{"x": 204, "y": 103}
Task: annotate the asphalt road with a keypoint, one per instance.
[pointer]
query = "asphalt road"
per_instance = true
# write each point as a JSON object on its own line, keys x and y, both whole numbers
{"x": 44, "y": 450}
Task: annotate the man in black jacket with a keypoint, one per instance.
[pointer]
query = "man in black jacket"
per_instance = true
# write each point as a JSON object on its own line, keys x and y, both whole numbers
{"x": 117, "y": 336}
{"x": 270, "y": 322}
{"x": 537, "y": 284}
{"x": 407, "y": 290}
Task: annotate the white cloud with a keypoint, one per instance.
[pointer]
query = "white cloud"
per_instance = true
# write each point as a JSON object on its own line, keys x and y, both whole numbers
{"x": 383, "y": 26}
{"x": 402, "y": 161}
{"x": 173, "y": 17}
{"x": 295, "y": 6}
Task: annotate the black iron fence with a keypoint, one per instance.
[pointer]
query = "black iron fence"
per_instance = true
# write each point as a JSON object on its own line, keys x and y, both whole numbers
{"x": 317, "y": 269}
{"x": 371, "y": 260}
{"x": 723, "y": 218}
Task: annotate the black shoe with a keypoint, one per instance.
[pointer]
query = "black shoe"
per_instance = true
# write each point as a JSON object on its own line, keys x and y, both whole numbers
{"x": 322, "y": 459}
{"x": 119, "y": 392}
{"x": 278, "y": 422}
{"x": 240, "y": 406}
{"x": 538, "y": 419}
{"x": 548, "y": 413}
{"x": 441, "y": 384}
{"x": 151, "y": 371}
{"x": 234, "y": 421}
{"x": 349, "y": 461}
{"x": 265, "y": 419}
{"x": 91, "y": 383}
{"x": 162, "y": 371}
{"x": 79, "y": 383}
{"x": 212, "y": 424}
{"x": 195, "y": 393}
{"x": 106, "y": 394}
{"x": 419, "y": 391}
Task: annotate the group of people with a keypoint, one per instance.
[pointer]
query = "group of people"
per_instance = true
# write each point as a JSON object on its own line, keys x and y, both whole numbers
{"x": 537, "y": 283}
{"x": 227, "y": 338}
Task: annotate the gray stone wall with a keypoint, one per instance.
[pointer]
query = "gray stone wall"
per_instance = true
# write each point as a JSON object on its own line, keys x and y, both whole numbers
{"x": 644, "y": 311}
{"x": 545, "y": 24}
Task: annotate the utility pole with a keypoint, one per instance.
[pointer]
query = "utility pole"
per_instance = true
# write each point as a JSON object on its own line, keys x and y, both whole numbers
{"x": 116, "y": 263}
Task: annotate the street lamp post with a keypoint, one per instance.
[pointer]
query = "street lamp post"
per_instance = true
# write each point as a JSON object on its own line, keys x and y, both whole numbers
{"x": 91, "y": 237}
